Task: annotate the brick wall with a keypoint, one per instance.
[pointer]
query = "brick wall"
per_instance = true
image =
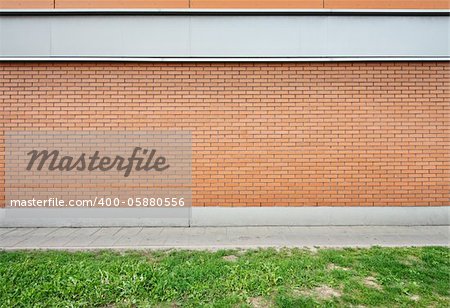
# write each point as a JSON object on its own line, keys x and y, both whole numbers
{"x": 291, "y": 134}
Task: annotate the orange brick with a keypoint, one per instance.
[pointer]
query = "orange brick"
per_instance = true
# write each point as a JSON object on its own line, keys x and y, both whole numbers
{"x": 264, "y": 134}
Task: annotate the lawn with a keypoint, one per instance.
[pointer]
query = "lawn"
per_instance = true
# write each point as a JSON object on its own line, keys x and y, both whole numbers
{"x": 382, "y": 277}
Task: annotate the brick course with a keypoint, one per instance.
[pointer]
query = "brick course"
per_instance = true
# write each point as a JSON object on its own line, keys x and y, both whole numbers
{"x": 264, "y": 134}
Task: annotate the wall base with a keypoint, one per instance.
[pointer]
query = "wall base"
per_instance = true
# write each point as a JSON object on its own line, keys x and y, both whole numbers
{"x": 320, "y": 216}
{"x": 229, "y": 216}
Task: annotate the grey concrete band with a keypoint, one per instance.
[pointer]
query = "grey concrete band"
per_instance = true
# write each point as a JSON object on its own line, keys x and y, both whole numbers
{"x": 250, "y": 37}
{"x": 229, "y": 216}
{"x": 220, "y": 59}
{"x": 320, "y": 216}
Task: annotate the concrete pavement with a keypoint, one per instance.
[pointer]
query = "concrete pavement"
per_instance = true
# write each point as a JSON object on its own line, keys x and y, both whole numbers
{"x": 221, "y": 237}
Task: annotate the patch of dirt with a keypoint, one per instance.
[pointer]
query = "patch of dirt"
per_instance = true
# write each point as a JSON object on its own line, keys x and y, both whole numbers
{"x": 332, "y": 267}
{"x": 287, "y": 252}
{"x": 299, "y": 292}
{"x": 230, "y": 258}
{"x": 313, "y": 250}
{"x": 258, "y": 302}
{"x": 415, "y": 298}
{"x": 325, "y": 292}
{"x": 372, "y": 282}
{"x": 168, "y": 305}
{"x": 411, "y": 260}
{"x": 322, "y": 292}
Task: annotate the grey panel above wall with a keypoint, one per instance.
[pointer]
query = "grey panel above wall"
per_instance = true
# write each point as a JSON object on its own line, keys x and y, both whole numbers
{"x": 166, "y": 36}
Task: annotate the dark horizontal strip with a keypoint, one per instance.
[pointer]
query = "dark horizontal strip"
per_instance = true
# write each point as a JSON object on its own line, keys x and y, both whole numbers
{"x": 220, "y": 12}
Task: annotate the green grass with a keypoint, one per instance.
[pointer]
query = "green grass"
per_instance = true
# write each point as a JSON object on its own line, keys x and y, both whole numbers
{"x": 375, "y": 277}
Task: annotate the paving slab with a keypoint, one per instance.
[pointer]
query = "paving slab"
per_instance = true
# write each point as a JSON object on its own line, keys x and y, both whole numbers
{"x": 128, "y": 237}
{"x": 59, "y": 237}
{"x": 106, "y": 236}
{"x": 83, "y": 237}
{"x": 221, "y": 237}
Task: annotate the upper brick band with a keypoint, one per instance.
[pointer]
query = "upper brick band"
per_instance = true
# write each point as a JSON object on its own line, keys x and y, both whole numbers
{"x": 228, "y": 4}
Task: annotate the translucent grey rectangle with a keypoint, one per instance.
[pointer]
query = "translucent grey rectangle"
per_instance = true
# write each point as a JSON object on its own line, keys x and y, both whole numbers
{"x": 30, "y": 176}
{"x": 168, "y": 36}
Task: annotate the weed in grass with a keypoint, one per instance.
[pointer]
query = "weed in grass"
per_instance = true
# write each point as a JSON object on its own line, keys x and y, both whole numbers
{"x": 334, "y": 267}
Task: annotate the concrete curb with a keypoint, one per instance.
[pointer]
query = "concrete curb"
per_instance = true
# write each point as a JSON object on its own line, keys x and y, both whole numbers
{"x": 226, "y": 216}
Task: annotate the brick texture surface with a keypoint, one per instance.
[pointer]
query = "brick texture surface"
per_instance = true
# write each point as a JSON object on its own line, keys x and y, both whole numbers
{"x": 264, "y": 134}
